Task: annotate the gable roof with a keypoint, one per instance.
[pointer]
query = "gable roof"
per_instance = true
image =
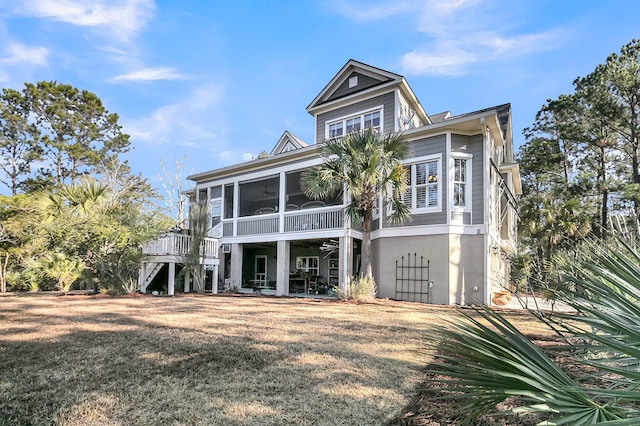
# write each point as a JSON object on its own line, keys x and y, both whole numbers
{"x": 338, "y": 87}
{"x": 368, "y": 78}
{"x": 287, "y": 142}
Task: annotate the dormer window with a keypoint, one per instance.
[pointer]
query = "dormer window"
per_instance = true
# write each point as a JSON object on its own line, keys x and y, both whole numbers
{"x": 355, "y": 123}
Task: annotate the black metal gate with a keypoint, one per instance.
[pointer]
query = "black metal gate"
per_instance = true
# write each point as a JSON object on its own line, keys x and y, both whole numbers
{"x": 412, "y": 279}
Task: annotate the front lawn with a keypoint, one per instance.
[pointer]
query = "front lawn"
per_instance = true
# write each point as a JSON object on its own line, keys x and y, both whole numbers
{"x": 224, "y": 360}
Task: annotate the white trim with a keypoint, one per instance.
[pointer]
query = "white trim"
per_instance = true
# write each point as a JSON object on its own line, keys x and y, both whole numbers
{"x": 266, "y": 267}
{"x": 468, "y": 193}
{"x": 424, "y": 230}
{"x": 360, "y": 114}
{"x": 486, "y": 205}
{"x": 341, "y": 76}
{"x": 421, "y": 160}
{"x": 448, "y": 149}
{"x": 396, "y": 100}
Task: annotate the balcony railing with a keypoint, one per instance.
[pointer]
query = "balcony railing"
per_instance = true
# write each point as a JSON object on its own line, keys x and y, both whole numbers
{"x": 311, "y": 221}
{"x": 258, "y": 226}
{"x": 179, "y": 245}
{"x": 325, "y": 218}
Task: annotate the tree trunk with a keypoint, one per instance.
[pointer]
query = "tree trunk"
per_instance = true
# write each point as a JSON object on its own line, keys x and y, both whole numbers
{"x": 604, "y": 210}
{"x": 365, "y": 255}
{"x": 3, "y": 272}
{"x": 605, "y": 213}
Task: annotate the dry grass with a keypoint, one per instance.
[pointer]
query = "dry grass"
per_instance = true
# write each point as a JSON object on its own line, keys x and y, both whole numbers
{"x": 226, "y": 360}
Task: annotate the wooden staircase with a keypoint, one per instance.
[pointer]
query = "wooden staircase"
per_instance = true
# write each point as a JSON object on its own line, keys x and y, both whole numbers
{"x": 148, "y": 274}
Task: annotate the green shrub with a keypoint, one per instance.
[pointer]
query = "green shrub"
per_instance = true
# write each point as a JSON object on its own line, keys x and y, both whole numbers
{"x": 358, "y": 288}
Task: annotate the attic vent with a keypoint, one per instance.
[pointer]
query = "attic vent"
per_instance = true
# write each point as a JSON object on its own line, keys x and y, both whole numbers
{"x": 353, "y": 81}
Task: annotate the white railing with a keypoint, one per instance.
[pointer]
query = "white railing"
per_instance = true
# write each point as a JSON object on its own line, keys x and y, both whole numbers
{"x": 216, "y": 231}
{"x": 323, "y": 218}
{"x": 261, "y": 226}
{"x": 314, "y": 220}
{"x": 178, "y": 245}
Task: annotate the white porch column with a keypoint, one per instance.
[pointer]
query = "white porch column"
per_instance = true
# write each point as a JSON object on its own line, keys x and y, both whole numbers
{"x": 187, "y": 281}
{"x": 172, "y": 278}
{"x": 345, "y": 261}
{"x": 236, "y": 265}
{"x": 282, "y": 268}
{"x": 215, "y": 278}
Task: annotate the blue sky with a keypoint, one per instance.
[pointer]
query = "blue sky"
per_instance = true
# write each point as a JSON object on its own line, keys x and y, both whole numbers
{"x": 220, "y": 81}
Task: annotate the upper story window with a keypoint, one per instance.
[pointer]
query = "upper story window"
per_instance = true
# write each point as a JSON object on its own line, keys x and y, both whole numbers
{"x": 423, "y": 193}
{"x": 372, "y": 120}
{"x": 215, "y": 204}
{"x": 336, "y": 129}
{"x": 461, "y": 180}
{"x": 355, "y": 123}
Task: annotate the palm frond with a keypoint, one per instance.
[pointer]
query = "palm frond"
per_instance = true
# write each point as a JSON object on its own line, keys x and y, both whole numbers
{"x": 483, "y": 361}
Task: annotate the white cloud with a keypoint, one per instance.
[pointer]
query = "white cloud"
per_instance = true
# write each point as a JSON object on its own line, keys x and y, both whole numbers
{"x": 441, "y": 63}
{"x": 367, "y": 10}
{"x": 193, "y": 120}
{"x": 463, "y": 33}
{"x": 457, "y": 33}
{"x": 150, "y": 74}
{"x": 18, "y": 53}
{"x": 123, "y": 18}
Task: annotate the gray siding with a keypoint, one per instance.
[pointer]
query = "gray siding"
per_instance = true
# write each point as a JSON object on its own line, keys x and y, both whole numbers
{"x": 387, "y": 100}
{"x": 473, "y": 145}
{"x": 460, "y": 143}
{"x": 478, "y": 191}
{"x": 364, "y": 82}
{"x": 430, "y": 146}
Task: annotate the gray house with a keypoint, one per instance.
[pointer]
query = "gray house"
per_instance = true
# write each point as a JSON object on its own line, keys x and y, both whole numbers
{"x": 456, "y": 248}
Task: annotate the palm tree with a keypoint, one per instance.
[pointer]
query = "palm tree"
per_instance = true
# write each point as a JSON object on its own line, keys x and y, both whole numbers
{"x": 366, "y": 166}
{"x": 484, "y": 361}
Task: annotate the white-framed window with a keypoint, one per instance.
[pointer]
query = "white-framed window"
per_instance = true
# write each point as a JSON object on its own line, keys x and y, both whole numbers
{"x": 310, "y": 264}
{"x": 335, "y": 129}
{"x": 372, "y": 120}
{"x": 376, "y": 208}
{"x": 461, "y": 181}
{"x": 423, "y": 179}
{"x": 216, "y": 211}
{"x": 355, "y": 123}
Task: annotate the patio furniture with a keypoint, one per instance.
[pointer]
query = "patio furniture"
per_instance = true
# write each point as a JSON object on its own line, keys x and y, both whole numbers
{"x": 265, "y": 210}
{"x": 312, "y": 205}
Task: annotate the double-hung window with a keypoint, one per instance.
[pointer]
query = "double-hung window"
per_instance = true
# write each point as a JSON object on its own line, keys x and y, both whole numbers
{"x": 423, "y": 179}
{"x": 461, "y": 180}
{"x": 372, "y": 120}
{"x": 354, "y": 123}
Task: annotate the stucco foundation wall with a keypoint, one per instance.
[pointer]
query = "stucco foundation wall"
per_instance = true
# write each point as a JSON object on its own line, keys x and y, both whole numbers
{"x": 466, "y": 269}
{"x": 385, "y": 252}
{"x": 456, "y": 266}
